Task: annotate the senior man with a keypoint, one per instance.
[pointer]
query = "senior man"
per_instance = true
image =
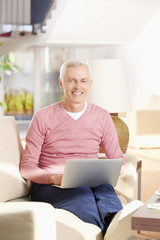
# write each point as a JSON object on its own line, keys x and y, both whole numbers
{"x": 73, "y": 128}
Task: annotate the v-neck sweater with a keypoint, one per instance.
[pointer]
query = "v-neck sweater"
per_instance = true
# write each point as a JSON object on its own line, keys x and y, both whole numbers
{"x": 54, "y": 136}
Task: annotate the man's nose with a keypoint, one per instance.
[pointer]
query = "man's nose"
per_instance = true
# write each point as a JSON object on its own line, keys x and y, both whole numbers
{"x": 78, "y": 85}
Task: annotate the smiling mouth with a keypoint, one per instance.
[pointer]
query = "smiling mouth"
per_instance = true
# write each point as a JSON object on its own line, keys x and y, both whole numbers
{"x": 77, "y": 93}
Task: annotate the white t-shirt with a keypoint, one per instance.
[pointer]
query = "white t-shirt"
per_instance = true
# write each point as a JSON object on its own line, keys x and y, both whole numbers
{"x": 76, "y": 115}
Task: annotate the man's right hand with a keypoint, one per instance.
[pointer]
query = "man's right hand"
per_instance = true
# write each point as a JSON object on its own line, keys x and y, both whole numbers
{"x": 55, "y": 179}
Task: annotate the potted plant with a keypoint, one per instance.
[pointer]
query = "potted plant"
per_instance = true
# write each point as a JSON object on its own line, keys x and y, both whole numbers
{"x": 7, "y": 65}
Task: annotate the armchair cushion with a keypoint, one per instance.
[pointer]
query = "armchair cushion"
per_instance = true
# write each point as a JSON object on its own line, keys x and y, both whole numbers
{"x": 12, "y": 185}
{"x": 74, "y": 228}
{"x": 27, "y": 221}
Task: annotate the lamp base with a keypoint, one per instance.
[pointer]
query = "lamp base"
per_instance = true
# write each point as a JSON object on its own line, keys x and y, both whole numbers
{"x": 122, "y": 131}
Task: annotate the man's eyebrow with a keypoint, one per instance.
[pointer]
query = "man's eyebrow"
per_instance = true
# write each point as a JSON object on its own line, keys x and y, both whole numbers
{"x": 76, "y": 78}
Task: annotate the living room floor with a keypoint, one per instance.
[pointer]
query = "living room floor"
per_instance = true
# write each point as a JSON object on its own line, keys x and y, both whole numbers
{"x": 150, "y": 178}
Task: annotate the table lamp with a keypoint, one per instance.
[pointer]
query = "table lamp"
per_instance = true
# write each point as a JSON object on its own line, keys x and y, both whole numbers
{"x": 109, "y": 90}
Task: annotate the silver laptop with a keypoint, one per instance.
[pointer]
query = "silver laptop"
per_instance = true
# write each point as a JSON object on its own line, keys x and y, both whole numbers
{"x": 90, "y": 172}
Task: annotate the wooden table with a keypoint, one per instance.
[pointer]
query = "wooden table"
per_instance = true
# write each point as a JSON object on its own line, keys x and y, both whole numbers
{"x": 145, "y": 219}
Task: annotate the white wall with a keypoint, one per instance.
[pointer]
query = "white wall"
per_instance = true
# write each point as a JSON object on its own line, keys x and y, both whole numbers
{"x": 1, "y": 96}
{"x": 89, "y": 53}
{"x": 141, "y": 60}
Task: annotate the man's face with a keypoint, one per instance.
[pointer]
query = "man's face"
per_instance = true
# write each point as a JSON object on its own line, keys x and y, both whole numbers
{"x": 76, "y": 84}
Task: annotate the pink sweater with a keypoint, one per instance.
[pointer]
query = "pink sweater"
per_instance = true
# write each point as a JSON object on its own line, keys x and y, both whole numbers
{"x": 54, "y": 136}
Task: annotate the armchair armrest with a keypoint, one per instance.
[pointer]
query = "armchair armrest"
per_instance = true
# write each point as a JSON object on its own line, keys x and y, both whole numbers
{"x": 27, "y": 220}
{"x": 120, "y": 227}
{"x": 127, "y": 183}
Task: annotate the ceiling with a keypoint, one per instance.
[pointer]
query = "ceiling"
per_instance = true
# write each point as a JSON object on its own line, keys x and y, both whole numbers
{"x": 102, "y": 22}
{"x": 90, "y": 23}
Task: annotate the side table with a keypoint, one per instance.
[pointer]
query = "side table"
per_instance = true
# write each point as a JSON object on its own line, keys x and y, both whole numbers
{"x": 145, "y": 219}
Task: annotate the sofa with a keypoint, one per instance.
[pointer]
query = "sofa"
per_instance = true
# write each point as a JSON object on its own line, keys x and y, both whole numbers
{"x": 20, "y": 218}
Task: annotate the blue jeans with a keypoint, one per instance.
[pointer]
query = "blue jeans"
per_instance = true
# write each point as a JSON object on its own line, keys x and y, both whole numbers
{"x": 91, "y": 205}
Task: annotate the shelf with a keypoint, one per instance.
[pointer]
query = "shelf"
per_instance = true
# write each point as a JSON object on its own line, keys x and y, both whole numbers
{"x": 23, "y": 121}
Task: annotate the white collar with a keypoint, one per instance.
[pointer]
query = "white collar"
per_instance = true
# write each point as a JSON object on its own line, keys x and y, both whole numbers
{"x": 76, "y": 115}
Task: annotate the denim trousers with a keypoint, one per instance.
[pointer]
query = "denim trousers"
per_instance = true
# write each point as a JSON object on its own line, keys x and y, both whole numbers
{"x": 91, "y": 205}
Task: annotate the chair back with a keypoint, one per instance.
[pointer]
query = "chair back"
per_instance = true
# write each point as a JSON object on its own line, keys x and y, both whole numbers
{"x": 12, "y": 185}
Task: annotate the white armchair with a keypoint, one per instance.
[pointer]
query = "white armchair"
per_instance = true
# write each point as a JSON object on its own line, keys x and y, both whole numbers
{"x": 22, "y": 219}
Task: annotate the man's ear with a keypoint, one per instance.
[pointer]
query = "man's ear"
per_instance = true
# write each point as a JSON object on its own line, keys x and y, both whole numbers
{"x": 60, "y": 83}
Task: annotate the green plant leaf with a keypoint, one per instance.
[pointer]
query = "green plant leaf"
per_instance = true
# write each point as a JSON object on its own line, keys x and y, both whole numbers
{"x": 0, "y": 78}
{"x": 1, "y": 43}
{"x": 11, "y": 57}
{"x": 6, "y": 63}
{"x": 7, "y": 67}
{"x": 5, "y": 59}
{"x": 18, "y": 68}
{"x": 3, "y": 105}
{"x": 1, "y": 67}
{"x": 2, "y": 59}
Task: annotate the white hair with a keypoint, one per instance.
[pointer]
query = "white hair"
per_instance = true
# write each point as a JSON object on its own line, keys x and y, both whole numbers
{"x": 72, "y": 63}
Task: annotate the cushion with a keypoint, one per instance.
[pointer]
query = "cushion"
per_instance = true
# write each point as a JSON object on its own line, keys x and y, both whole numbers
{"x": 74, "y": 228}
{"x": 27, "y": 221}
{"x": 12, "y": 185}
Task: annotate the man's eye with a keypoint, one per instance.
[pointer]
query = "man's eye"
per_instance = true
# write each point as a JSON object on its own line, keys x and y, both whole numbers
{"x": 71, "y": 80}
{"x": 84, "y": 80}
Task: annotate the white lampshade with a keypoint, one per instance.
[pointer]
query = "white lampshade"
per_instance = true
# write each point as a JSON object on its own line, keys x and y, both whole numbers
{"x": 109, "y": 88}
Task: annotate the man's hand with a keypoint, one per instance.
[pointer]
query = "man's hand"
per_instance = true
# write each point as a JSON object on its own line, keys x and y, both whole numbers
{"x": 55, "y": 179}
